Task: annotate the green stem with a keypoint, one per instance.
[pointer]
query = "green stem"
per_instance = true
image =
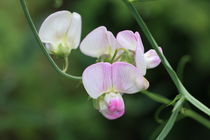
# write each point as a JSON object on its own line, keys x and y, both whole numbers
{"x": 66, "y": 65}
{"x": 184, "y": 111}
{"x": 170, "y": 123}
{"x": 165, "y": 62}
{"x": 158, "y": 112}
{"x": 181, "y": 65}
{"x": 156, "y": 97}
{"x": 32, "y": 26}
{"x": 192, "y": 114}
{"x": 115, "y": 54}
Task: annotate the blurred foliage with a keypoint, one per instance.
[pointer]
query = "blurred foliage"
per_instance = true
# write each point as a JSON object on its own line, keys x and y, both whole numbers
{"x": 36, "y": 103}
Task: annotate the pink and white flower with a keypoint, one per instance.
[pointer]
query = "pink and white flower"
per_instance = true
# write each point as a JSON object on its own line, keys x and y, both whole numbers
{"x": 99, "y": 42}
{"x": 107, "y": 82}
{"x": 61, "y": 32}
{"x": 132, "y": 41}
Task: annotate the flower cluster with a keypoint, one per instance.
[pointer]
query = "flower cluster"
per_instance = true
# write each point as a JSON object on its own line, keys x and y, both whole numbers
{"x": 121, "y": 62}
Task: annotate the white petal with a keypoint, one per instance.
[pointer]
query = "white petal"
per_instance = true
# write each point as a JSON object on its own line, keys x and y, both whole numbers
{"x": 113, "y": 43}
{"x": 55, "y": 27}
{"x": 74, "y": 32}
{"x": 95, "y": 43}
{"x": 139, "y": 59}
{"x": 129, "y": 40}
{"x": 126, "y": 78}
{"x": 152, "y": 59}
{"x": 97, "y": 79}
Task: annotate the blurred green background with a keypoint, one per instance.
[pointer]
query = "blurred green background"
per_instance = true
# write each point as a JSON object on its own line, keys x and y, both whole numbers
{"x": 36, "y": 103}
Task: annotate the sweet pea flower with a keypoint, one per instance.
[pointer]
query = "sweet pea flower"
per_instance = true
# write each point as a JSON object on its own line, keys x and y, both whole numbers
{"x": 132, "y": 41}
{"x": 99, "y": 42}
{"x": 61, "y": 32}
{"x": 106, "y": 83}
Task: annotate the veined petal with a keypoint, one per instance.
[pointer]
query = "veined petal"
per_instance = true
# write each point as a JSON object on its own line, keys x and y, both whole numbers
{"x": 97, "y": 79}
{"x": 129, "y": 40}
{"x": 55, "y": 27}
{"x": 140, "y": 61}
{"x": 95, "y": 43}
{"x": 126, "y": 78}
{"x": 74, "y": 31}
{"x": 152, "y": 59}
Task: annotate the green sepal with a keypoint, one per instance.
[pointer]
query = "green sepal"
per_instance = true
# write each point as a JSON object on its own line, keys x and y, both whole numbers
{"x": 62, "y": 51}
{"x": 128, "y": 57}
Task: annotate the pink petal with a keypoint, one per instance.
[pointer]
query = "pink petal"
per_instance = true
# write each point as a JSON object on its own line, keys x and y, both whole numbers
{"x": 152, "y": 59}
{"x": 95, "y": 43}
{"x": 129, "y": 40}
{"x": 126, "y": 78}
{"x": 112, "y": 106}
{"x": 97, "y": 79}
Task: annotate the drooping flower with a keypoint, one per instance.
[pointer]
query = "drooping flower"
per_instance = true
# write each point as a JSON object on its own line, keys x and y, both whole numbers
{"x": 61, "y": 32}
{"x": 99, "y": 42}
{"x": 107, "y": 82}
{"x": 132, "y": 41}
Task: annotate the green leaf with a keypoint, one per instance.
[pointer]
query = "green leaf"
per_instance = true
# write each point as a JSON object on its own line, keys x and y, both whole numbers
{"x": 169, "y": 125}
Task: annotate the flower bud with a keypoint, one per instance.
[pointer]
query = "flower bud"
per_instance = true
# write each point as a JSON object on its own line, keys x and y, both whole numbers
{"x": 152, "y": 59}
{"x": 111, "y": 105}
